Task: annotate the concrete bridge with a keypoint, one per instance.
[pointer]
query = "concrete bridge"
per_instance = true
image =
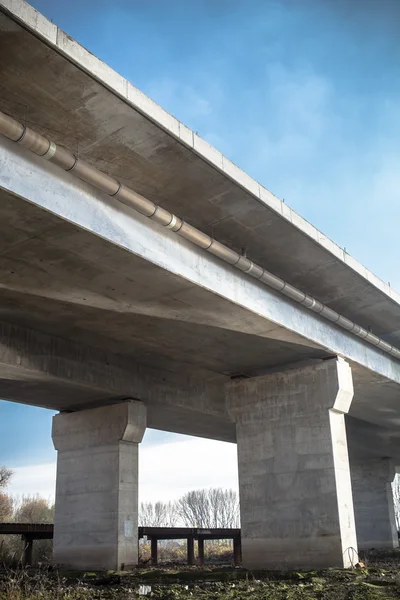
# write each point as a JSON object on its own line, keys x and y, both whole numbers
{"x": 127, "y": 301}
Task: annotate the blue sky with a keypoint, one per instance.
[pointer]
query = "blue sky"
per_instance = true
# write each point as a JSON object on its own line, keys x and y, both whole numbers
{"x": 304, "y": 95}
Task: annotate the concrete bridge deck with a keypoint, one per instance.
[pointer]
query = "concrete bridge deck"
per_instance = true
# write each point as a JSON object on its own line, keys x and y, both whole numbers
{"x": 121, "y": 324}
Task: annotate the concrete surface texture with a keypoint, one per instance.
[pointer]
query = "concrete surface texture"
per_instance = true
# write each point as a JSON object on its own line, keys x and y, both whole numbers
{"x": 96, "y": 518}
{"x": 373, "y": 503}
{"x": 295, "y": 489}
{"x": 100, "y": 304}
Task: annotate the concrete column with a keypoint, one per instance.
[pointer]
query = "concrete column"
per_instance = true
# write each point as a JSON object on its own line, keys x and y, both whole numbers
{"x": 294, "y": 478}
{"x": 96, "y": 516}
{"x": 373, "y": 503}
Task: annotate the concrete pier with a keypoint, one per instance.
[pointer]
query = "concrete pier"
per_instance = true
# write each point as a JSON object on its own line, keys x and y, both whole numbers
{"x": 373, "y": 503}
{"x": 294, "y": 478}
{"x": 96, "y": 517}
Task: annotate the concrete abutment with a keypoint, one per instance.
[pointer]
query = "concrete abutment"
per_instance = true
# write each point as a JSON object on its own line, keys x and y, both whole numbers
{"x": 96, "y": 517}
{"x": 294, "y": 475}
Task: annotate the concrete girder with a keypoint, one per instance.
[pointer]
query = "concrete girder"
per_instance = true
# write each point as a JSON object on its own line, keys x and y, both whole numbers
{"x": 369, "y": 441}
{"x": 99, "y": 214}
{"x": 39, "y": 369}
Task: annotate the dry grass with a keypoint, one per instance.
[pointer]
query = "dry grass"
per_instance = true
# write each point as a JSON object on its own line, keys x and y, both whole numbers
{"x": 207, "y": 584}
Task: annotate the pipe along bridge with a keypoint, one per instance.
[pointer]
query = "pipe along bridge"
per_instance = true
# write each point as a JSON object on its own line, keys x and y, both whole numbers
{"x": 30, "y": 532}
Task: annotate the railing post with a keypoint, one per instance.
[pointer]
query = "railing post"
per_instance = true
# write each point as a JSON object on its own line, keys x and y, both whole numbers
{"x": 190, "y": 550}
{"x": 28, "y": 549}
{"x": 154, "y": 550}
{"x": 200, "y": 548}
{"x": 237, "y": 550}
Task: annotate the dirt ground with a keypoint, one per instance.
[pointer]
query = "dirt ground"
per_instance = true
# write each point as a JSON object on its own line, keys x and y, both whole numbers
{"x": 379, "y": 579}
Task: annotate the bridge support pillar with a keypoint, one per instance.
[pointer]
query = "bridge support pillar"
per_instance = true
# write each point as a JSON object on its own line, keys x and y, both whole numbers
{"x": 200, "y": 551}
{"x": 373, "y": 503}
{"x": 294, "y": 477}
{"x": 96, "y": 515}
{"x": 154, "y": 551}
{"x": 237, "y": 550}
{"x": 190, "y": 550}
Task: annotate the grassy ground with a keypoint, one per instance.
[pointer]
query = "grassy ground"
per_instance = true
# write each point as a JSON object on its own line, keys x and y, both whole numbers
{"x": 379, "y": 581}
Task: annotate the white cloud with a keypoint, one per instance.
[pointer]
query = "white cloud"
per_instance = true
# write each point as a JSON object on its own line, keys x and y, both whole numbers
{"x": 35, "y": 479}
{"x": 166, "y": 470}
{"x": 174, "y": 468}
{"x": 192, "y": 102}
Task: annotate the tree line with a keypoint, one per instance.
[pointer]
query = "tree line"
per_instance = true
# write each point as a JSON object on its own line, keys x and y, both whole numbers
{"x": 26, "y": 509}
{"x": 208, "y": 508}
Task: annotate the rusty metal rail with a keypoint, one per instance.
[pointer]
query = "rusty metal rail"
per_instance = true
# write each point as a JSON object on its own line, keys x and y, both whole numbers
{"x": 36, "y": 531}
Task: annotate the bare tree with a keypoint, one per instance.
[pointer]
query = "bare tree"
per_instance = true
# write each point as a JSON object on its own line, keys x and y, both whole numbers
{"x": 28, "y": 509}
{"x": 224, "y": 507}
{"x": 5, "y": 476}
{"x": 209, "y": 508}
{"x": 6, "y": 508}
{"x": 158, "y": 514}
{"x": 6, "y": 503}
{"x": 33, "y": 509}
{"x": 193, "y": 509}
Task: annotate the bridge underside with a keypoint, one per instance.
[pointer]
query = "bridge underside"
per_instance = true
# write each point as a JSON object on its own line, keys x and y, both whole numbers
{"x": 64, "y": 281}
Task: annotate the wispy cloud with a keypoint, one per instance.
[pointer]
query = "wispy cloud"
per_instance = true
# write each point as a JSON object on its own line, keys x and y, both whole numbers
{"x": 178, "y": 467}
{"x": 196, "y": 100}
